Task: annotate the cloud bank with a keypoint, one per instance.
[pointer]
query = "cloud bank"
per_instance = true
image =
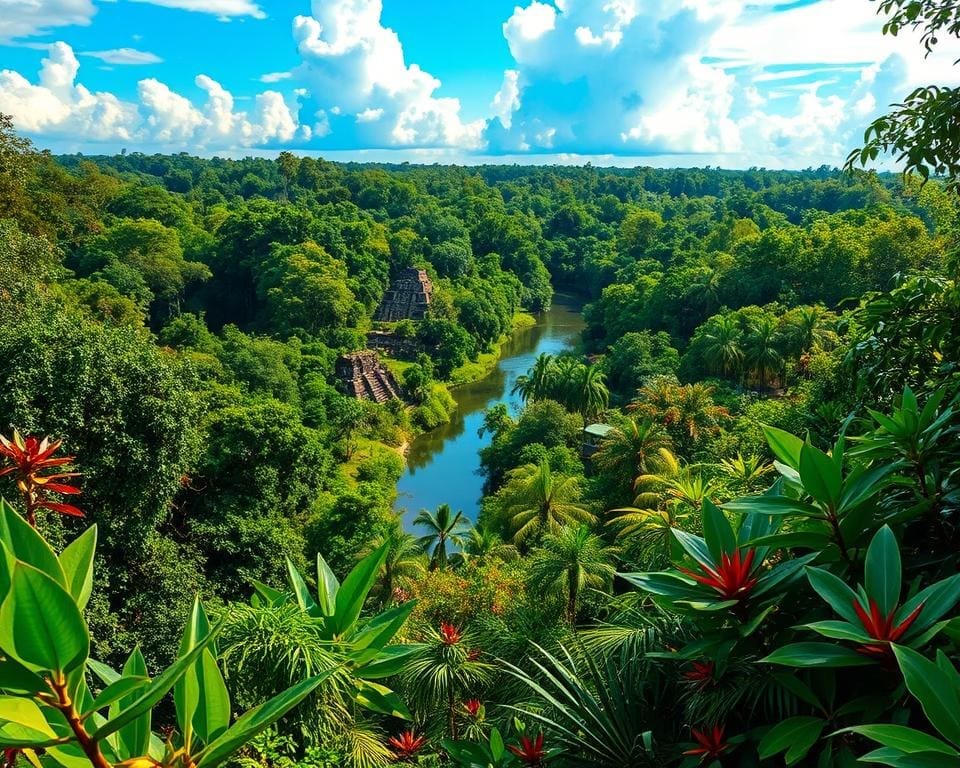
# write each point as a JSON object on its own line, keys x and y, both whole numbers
{"x": 717, "y": 80}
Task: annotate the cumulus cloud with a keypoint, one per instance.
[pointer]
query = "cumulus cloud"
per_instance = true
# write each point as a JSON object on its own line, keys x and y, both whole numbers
{"x": 57, "y": 105}
{"x": 24, "y": 18}
{"x": 124, "y": 56}
{"x": 354, "y": 66}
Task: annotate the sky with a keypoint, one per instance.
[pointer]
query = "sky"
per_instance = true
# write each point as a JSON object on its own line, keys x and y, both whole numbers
{"x": 729, "y": 83}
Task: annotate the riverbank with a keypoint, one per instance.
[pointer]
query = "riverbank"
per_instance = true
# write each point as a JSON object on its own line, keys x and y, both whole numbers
{"x": 443, "y": 465}
{"x": 475, "y": 370}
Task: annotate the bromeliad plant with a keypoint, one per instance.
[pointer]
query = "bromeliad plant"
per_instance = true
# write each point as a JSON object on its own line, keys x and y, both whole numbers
{"x": 27, "y": 459}
{"x": 723, "y": 570}
{"x": 873, "y": 618}
{"x": 494, "y": 752}
{"x": 46, "y": 699}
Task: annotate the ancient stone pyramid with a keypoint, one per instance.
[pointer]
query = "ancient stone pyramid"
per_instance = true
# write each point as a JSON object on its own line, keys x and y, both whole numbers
{"x": 408, "y": 297}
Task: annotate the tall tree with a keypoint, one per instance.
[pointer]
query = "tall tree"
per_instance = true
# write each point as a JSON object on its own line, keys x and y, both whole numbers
{"x": 535, "y": 501}
{"x": 444, "y": 528}
{"x": 571, "y": 560}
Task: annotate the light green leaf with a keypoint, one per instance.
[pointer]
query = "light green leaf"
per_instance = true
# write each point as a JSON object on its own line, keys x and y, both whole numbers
{"x": 717, "y": 531}
{"x": 795, "y": 735}
{"x": 353, "y": 592}
{"x": 785, "y": 446}
{"x": 820, "y": 476}
{"x": 934, "y": 689}
{"x": 380, "y": 699}
{"x": 327, "y": 587}
{"x": 27, "y": 545}
{"x": 902, "y": 738}
{"x": 77, "y": 563}
{"x": 124, "y": 686}
{"x": 212, "y": 715}
{"x": 40, "y": 624}
{"x": 835, "y": 592}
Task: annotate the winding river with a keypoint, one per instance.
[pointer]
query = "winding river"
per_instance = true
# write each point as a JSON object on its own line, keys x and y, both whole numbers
{"x": 443, "y": 466}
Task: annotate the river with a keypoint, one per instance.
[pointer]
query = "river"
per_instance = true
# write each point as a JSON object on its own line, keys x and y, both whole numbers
{"x": 443, "y": 466}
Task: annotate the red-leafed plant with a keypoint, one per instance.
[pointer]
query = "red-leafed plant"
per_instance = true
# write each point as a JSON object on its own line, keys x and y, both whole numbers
{"x": 710, "y": 741}
{"x": 450, "y": 634}
{"x": 700, "y": 672}
{"x": 732, "y": 578}
{"x": 27, "y": 458}
{"x": 407, "y": 744}
{"x": 530, "y": 751}
{"x": 473, "y": 706}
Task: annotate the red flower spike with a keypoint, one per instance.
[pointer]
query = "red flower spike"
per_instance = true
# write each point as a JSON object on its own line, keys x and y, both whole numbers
{"x": 472, "y": 706}
{"x": 711, "y": 743}
{"x": 29, "y": 457}
{"x": 530, "y": 751}
{"x": 732, "y": 579}
{"x": 881, "y": 628}
{"x": 9, "y": 757}
{"x": 701, "y": 674}
{"x": 407, "y": 744}
{"x": 449, "y": 634}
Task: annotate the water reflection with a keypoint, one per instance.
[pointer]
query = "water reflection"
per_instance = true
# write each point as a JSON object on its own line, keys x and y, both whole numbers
{"x": 443, "y": 465}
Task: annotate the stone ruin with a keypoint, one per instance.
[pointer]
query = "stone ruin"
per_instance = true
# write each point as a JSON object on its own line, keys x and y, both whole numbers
{"x": 391, "y": 344}
{"x": 408, "y": 297}
{"x": 364, "y": 377}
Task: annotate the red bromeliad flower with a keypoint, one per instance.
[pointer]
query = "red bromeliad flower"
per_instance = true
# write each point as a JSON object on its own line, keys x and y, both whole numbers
{"x": 30, "y": 456}
{"x": 881, "y": 627}
{"x": 407, "y": 744}
{"x": 449, "y": 634}
{"x": 732, "y": 579}
{"x": 701, "y": 674}
{"x": 530, "y": 751}
{"x": 472, "y": 706}
{"x": 10, "y": 757}
{"x": 711, "y": 743}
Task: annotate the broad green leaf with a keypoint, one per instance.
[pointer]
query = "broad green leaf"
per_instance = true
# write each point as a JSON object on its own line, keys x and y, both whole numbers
{"x": 782, "y": 575}
{"x": 124, "y": 686}
{"x": 268, "y": 595}
{"x": 902, "y": 738}
{"x": 254, "y": 721}
{"x": 785, "y": 446}
{"x": 694, "y": 546}
{"x": 717, "y": 531}
{"x": 497, "y": 747}
{"x": 934, "y": 689}
{"x": 817, "y": 655}
{"x": 133, "y": 740}
{"x": 820, "y": 476}
{"x": 839, "y": 630}
{"x": 186, "y": 691}
{"x": 380, "y": 699}
{"x": 381, "y": 629}
{"x": 774, "y": 505}
{"x": 157, "y": 689}
{"x": 840, "y": 597}
{"x": 301, "y": 591}
{"x": 882, "y": 570}
{"x": 389, "y": 662}
{"x": 27, "y": 545}
{"x": 40, "y": 624}
{"x": 897, "y": 759}
{"x": 20, "y": 711}
{"x": 937, "y": 600}
{"x": 16, "y": 678}
{"x": 797, "y": 540}
{"x": 795, "y": 735}
{"x": 353, "y": 592}
{"x": 666, "y": 583}
{"x": 327, "y": 587}
{"x": 77, "y": 563}
{"x": 212, "y": 716}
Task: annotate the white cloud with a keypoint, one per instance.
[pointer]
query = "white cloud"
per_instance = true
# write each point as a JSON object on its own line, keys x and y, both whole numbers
{"x": 130, "y": 56}
{"x": 275, "y": 77}
{"x": 57, "y": 105}
{"x": 223, "y": 9}
{"x": 506, "y": 101}
{"x": 353, "y": 65}
{"x": 23, "y": 18}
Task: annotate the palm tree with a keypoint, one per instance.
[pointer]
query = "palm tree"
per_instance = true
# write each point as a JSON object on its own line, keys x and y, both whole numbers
{"x": 444, "y": 528}
{"x": 626, "y": 450}
{"x": 667, "y": 495}
{"x": 722, "y": 349}
{"x": 567, "y": 373}
{"x": 588, "y": 393}
{"x": 572, "y": 560}
{"x": 535, "y": 501}
{"x": 762, "y": 353}
{"x": 483, "y": 543}
{"x": 404, "y": 564}
{"x": 539, "y": 381}
{"x": 687, "y": 411}
{"x": 747, "y": 472}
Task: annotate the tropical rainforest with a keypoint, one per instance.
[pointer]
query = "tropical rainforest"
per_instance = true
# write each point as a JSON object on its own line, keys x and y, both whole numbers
{"x": 750, "y": 558}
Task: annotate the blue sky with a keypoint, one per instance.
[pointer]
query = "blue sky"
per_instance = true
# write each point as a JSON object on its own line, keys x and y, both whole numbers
{"x": 734, "y": 83}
